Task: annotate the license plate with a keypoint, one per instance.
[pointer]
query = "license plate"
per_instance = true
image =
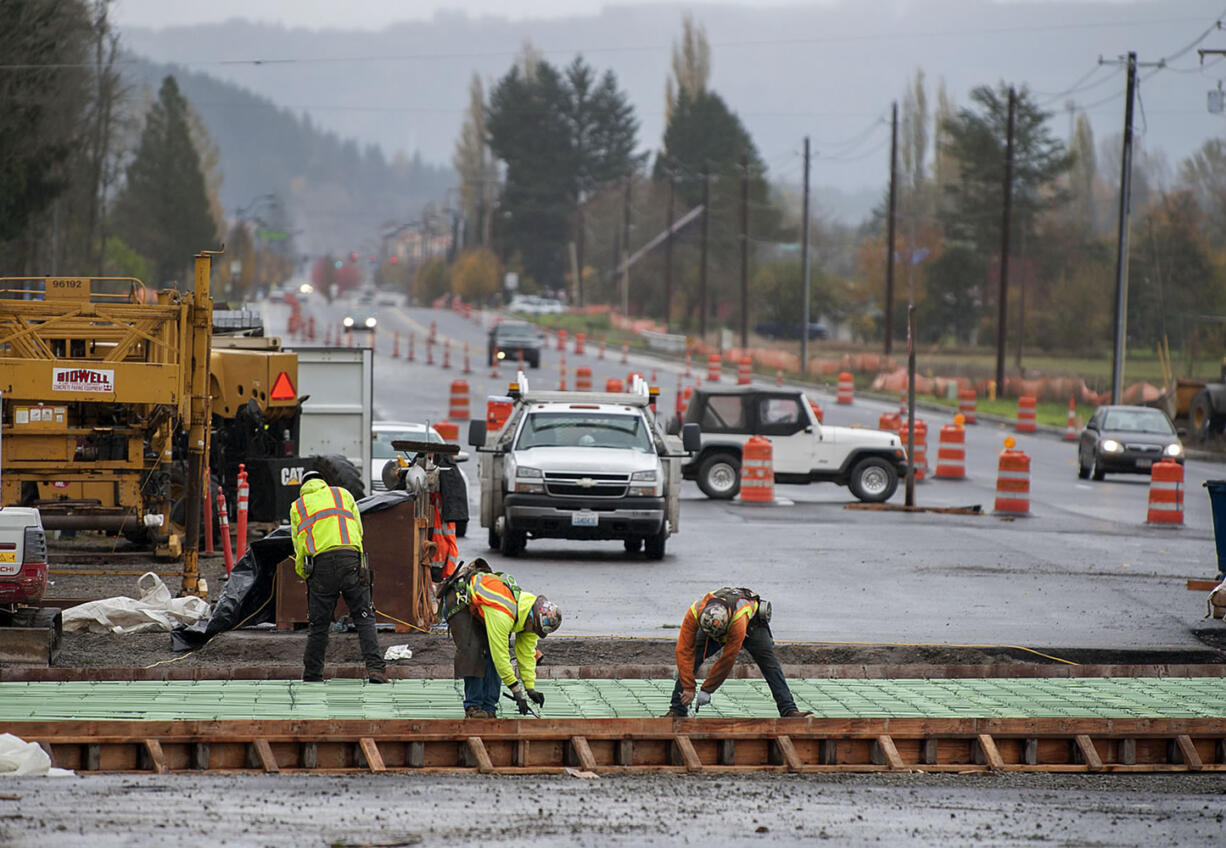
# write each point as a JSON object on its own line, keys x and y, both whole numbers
{"x": 1144, "y": 463}
{"x": 586, "y": 518}
{"x": 8, "y": 556}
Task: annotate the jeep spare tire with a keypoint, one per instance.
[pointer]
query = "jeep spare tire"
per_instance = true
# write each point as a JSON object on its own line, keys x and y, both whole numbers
{"x": 873, "y": 480}
{"x": 719, "y": 475}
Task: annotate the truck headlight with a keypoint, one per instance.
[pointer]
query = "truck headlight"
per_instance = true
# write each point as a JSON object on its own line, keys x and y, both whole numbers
{"x": 348, "y": 322}
{"x": 370, "y": 322}
{"x": 1112, "y": 446}
{"x": 535, "y": 484}
{"x": 1175, "y": 449}
{"x": 650, "y": 490}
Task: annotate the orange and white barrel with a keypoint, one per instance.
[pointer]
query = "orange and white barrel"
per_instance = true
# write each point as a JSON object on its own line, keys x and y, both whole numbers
{"x": 1166, "y": 494}
{"x": 847, "y": 388}
{"x": 562, "y": 371}
{"x": 583, "y": 378}
{"x": 614, "y": 385}
{"x": 744, "y": 371}
{"x": 449, "y": 430}
{"x": 1070, "y": 432}
{"x": 561, "y": 340}
{"x": 967, "y": 403}
{"x": 458, "y": 404}
{"x": 713, "y": 368}
{"x": 757, "y": 471}
{"x": 683, "y": 400}
{"x": 1025, "y": 414}
{"x": 817, "y": 411}
{"x": 1013, "y": 481}
{"x": 951, "y": 453}
{"x": 580, "y": 343}
{"x": 889, "y": 421}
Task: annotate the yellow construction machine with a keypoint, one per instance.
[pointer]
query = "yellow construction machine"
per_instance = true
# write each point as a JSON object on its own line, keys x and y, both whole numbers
{"x": 104, "y": 406}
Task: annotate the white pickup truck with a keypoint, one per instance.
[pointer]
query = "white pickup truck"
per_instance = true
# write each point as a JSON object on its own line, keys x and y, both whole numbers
{"x": 581, "y": 465}
{"x": 868, "y": 462}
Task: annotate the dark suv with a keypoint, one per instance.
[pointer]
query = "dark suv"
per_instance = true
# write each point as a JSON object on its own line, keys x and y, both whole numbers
{"x": 513, "y": 339}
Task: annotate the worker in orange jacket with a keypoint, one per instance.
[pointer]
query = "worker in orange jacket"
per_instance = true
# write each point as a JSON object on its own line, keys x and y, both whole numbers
{"x": 723, "y": 622}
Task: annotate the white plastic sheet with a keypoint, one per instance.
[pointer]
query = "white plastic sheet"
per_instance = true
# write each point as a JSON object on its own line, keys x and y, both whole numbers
{"x": 19, "y": 758}
{"x": 154, "y": 611}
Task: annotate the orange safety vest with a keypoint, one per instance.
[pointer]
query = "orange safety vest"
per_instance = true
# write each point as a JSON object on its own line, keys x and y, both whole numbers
{"x": 447, "y": 550}
{"x": 745, "y": 608}
{"x": 319, "y": 538}
{"x": 486, "y": 590}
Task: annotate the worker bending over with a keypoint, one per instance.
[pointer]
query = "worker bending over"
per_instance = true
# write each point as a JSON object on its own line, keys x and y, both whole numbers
{"x": 727, "y": 620}
{"x": 328, "y": 554}
{"x": 483, "y": 610}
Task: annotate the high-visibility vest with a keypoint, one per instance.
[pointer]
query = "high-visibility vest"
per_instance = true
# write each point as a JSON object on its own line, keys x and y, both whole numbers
{"x": 324, "y": 521}
{"x": 489, "y": 591}
{"x": 447, "y": 550}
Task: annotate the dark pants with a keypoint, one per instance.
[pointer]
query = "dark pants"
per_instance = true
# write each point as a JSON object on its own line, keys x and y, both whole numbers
{"x": 761, "y": 647}
{"x": 338, "y": 574}
{"x": 483, "y": 691}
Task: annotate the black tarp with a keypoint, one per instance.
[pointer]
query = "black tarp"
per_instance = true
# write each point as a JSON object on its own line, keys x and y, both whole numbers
{"x": 247, "y": 598}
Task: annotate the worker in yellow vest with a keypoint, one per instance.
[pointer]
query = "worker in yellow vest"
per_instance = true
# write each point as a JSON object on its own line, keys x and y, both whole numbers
{"x": 727, "y": 620}
{"x": 327, "y": 531}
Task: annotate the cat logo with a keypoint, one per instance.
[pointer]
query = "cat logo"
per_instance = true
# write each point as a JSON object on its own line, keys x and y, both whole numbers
{"x": 292, "y": 476}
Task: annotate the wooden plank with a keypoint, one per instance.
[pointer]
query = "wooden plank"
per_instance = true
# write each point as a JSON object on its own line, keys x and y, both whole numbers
{"x": 1203, "y": 585}
{"x": 156, "y": 756}
{"x": 264, "y": 751}
{"x": 374, "y": 760}
{"x": 583, "y": 753}
{"x": 685, "y": 748}
{"x": 1089, "y": 754}
{"x": 1188, "y": 751}
{"x": 987, "y": 745}
{"x": 828, "y": 752}
{"x": 885, "y": 748}
{"x": 625, "y": 752}
{"x": 476, "y": 750}
{"x": 415, "y": 754}
{"x": 787, "y": 752}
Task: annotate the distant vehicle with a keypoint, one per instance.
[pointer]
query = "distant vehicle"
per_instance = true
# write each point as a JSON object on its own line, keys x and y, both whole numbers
{"x": 1126, "y": 440}
{"x": 389, "y": 298}
{"x": 786, "y": 330}
{"x": 383, "y": 433}
{"x": 511, "y": 339}
{"x": 868, "y": 462}
{"x": 359, "y": 321}
{"x": 276, "y": 296}
{"x": 530, "y": 304}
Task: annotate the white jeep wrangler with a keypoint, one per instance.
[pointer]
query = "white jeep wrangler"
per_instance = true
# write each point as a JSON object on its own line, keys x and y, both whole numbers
{"x": 868, "y": 462}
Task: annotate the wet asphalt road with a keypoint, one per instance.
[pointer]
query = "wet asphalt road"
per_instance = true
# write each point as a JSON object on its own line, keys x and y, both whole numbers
{"x": 1083, "y": 570}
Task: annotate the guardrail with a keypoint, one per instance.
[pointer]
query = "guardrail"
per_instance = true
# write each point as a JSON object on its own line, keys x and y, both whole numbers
{"x": 666, "y": 342}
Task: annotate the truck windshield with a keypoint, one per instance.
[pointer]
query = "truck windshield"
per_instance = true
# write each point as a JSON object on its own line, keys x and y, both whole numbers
{"x": 590, "y": 430}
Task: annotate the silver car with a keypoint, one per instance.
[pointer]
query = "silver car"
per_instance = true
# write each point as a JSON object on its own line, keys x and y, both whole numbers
{"x": 383, "y": 433}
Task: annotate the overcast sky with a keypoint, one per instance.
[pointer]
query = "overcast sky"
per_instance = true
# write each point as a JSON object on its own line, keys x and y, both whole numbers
{"x": 375, "y": 14}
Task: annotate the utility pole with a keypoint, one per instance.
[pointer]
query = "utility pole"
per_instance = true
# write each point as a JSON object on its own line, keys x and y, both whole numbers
{"x": 889, "y": 238}
{"x": 706, "y": 239}
{"x": 668, "y": 247}
{"x": 744, "y": 250}
{"x": 804, "y": 269}
{"x": 909, "y": 493}
{"x": 1005, "y": 226}
{"x": 626, "y": 247}
{"x": 1121, "y": 258}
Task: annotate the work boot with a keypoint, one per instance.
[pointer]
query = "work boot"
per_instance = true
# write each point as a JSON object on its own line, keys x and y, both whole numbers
{"x": 376, "y": 676}
{"x": 477, "y": 712}
{"x": 312, "y": 679}
{"x": 682, "y": 713}
{"x": 794, "y": 713}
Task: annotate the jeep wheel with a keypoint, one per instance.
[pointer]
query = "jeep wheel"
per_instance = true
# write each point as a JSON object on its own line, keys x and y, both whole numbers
{"x": 719, "y": 476}
{"x": 655, "y": 544}
{"x": 873, "y": 480}
{"x": 513, "y": 542}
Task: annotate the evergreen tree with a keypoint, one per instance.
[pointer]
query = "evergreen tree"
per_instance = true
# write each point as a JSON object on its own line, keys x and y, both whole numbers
{"x": 163, "y": 211}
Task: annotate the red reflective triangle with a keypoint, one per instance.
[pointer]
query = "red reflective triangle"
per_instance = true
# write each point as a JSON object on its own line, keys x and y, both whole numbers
{"x": 282, "y": 388}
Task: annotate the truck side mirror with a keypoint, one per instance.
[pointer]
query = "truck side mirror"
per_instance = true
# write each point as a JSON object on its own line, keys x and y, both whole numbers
{"x": 691, "y": 438}
{"x": 476, "y": 432}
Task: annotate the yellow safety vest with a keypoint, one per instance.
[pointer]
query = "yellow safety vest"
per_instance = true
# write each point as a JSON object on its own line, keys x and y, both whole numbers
{"x": 323, "y": 518}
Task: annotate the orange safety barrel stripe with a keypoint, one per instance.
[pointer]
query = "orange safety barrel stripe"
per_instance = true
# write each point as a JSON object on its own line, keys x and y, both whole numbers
{"x": 489, "y": 591}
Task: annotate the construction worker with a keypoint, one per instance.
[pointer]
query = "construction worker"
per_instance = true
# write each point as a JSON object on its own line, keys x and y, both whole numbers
{"x": 327, "y": 531}
{"x": 482, "y": 610}
{"x": 727, "y": 620}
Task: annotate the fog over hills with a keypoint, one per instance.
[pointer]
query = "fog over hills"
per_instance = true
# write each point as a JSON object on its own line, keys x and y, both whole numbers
{"x": 828, "y": 71}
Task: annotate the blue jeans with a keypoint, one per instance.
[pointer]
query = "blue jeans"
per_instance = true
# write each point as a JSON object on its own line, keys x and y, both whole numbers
{"x": 483, "y": 691}
{"x": 761, "y": 647}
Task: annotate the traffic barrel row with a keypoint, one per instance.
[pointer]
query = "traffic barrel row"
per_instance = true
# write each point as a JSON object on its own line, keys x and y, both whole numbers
{"x": 847, "y": 388}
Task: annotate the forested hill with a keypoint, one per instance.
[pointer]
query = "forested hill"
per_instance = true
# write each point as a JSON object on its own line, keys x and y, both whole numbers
{"x": 337, "y": 193}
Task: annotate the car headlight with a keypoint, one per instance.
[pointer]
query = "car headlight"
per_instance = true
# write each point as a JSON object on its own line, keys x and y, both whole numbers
{"x": 647, "y": 476}
{"x": 534, "y": 484}
{"x": 370, "y": 322}
{"x": 650, "y": 490}
{"x": 348, "y": 322}
{"x": 1112, "y": 446}
{"x": 502, "y": 354}
{"x": 1175, "y": 449}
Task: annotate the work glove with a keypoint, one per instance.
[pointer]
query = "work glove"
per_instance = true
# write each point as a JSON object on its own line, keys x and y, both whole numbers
{"x": 687, "y": 697}
{"x": 703, "y": 699}
{"x": 537, "y": 697}
{"x": 521, "y": 698}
